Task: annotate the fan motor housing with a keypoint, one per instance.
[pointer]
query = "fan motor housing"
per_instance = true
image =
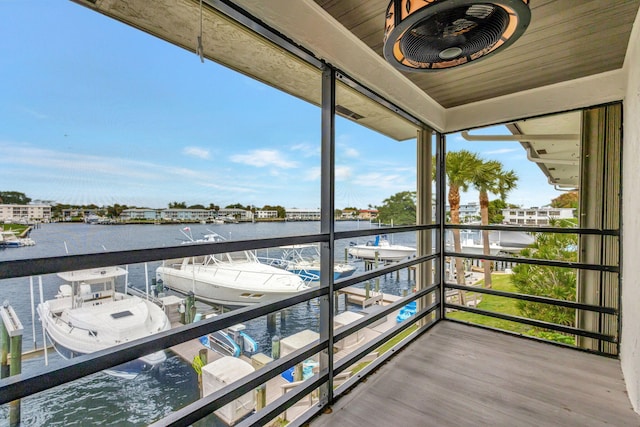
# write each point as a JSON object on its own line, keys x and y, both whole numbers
{"x": 430, "y": 35}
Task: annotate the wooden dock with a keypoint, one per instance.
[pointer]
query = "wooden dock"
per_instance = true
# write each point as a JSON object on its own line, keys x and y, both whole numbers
{"x": 277, "y": 386}
{"x": 359, "y": 296}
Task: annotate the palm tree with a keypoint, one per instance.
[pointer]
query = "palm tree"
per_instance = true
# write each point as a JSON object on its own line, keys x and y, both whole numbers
{"x": 459, "y": 168}
{"x": 490, "y": 177}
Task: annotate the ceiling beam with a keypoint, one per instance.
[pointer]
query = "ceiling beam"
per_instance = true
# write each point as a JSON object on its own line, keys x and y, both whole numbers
{"x": 570, "y": 95}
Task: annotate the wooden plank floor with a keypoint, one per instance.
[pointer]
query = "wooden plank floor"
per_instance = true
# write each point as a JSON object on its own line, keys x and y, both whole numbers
{"x": 458, "y": 375}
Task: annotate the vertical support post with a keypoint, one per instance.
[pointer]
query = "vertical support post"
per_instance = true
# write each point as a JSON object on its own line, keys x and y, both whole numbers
{"x": 298, "y": 372}
{"x": 15, "y": 369}
{"x": 424, "y": 271}
{"x": 275, "y": 347}
{"x": 12, "y": 336}
{"x": 441, "y": 154}
{"x": 4, "y": 341}
{"x": 377, "y": 282}
{"x": 271, "y": 323}
{"x": 327, "y": 226}
{"x": 202, "y": 354}
{"x": 261, "y": 397}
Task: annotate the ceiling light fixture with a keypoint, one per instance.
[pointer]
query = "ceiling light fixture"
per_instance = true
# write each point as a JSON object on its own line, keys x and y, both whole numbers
{"x": 428, "y": 35}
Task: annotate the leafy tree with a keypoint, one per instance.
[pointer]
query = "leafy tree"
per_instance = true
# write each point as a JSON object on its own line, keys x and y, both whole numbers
{"x": 495, "y": 210}
{"x": 282, "y": 212}
{"x": 337, "y": 213}
{"x": 553, "y": 282}
{"x": 566, "y": 200}
{"x": 14, "y": 198}
{"x": 235, "y": 206}
{"x": 178, "y": 205}
{"x": 115, "y": 210}
{"x": 196, "y": 207}
{"x": 214, "y": 207}
{"x": 460, "y": 167}
{"x": 399, "y": 208}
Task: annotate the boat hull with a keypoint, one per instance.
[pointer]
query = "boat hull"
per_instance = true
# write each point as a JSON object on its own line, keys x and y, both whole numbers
{"x": 128, "y": 370}
{"x": 383, "y": 253}
{"x": 237, "y": 285}
{"x": 84, "y": 330}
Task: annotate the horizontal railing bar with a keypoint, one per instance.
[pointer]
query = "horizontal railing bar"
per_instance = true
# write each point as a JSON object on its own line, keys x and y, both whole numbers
{"x": 206, "y": 405}
{"x": 26, "y": 384}
{"x": 528, "y": 229}
{"x": 303, "y": 419}
{"x": 341, "y": 235}
{"x": 259, "y": 418}
{"x": 537, "y": 323}
{"x": 366, "y": 348}
{"x": 535, "y": 261}
{"x": 372, "y": 274}
{"x": 353, "y": 327}
{"x": 534, "y": 298}
{"x": 201, "y": 408}
{"x": 383, "y": 358}
{"x": 285, "y": 401}
{"x": 48, "y": 265}
{"x": 533, "y": 338}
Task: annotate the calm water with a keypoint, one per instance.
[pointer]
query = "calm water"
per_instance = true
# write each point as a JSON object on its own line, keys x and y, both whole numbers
{"x": 101, "y": 399}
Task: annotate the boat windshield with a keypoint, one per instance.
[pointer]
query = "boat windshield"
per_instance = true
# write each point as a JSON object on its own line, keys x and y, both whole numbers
{"x": 241, "y": 256}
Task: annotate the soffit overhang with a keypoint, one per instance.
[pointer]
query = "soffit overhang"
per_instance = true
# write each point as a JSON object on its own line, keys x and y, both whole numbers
{"x": 571, "y": 57}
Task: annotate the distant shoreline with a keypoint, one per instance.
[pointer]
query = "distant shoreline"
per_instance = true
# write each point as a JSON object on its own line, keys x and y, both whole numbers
{"x": 186, "y": 222}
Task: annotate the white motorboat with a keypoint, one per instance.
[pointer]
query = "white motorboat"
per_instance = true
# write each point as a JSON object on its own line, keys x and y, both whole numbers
{"x": 9, "y": 239}
{"x": 88, "y": 315}
{"x": 382, "y": 249}
{"x": 304, "y": 260}
{"x": 471, "y": 243}
{"x": 230, "y": 278}
{"x": 469, "y": 246}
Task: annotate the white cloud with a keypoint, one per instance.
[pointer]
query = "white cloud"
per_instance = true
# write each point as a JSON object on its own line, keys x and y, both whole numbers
{"x": 263, "y": 158}
{"x": 307, "y": 149}
{"x": 312, "y": 174}
{"x": 342, "y": 173}
{"x": 34, "y": 113}
{"x": 196, "y": 152}
{"x": 382, "y": 181}
{"x": 351, "y": 152}
{"x": 71, "y": 164}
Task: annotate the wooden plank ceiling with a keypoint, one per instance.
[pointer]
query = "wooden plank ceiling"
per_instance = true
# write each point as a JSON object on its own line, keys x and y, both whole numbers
{"x": 566, "y": 40}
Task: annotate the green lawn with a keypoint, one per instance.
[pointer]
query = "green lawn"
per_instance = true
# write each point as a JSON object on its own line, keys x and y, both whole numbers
{"x": 500, "y": 282}
{"x": 18, "y": 228}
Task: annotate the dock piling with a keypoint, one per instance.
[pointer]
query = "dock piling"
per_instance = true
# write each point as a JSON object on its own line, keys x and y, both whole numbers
{"x": 271, "y": 322}
{"x": 275, "y": 347}
{"x": 4, "y": 341}
{"x": 12, "y": 336}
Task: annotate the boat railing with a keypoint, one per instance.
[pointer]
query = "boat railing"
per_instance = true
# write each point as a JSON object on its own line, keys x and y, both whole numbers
{"x": 274, "y": 262}
{"x": 59, "y": 320}
{"x": 141, "y": 294}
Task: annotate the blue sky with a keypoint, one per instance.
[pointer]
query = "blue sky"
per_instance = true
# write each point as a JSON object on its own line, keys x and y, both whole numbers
{"x": 93, "y": 111}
